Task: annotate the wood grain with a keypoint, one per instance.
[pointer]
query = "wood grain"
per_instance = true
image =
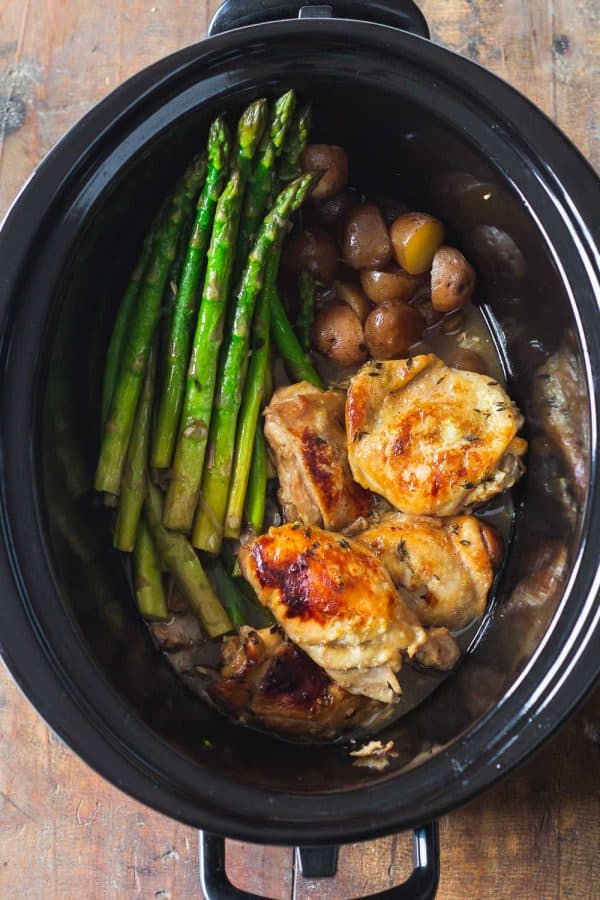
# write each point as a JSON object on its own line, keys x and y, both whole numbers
{"x": 64, "y": 832}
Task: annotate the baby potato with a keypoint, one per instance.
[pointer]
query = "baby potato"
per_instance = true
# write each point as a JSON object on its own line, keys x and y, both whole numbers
{"x": 331, "y": 213}
{"x": 313, "y": 250}
{"x": 332, "y": 161}
{"x": 366, "y": 243}
{"x": 416, "y": 237}
{"x": 354, "y": 297}
{"x": 391, "y": 329}
{"x": 338, "y": 334}
{"x": 452, "y": 280}
{"x": 391, "y": 283}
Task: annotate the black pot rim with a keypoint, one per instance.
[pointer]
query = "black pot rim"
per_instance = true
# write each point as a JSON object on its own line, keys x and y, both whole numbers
{"x": 107, "y": 735}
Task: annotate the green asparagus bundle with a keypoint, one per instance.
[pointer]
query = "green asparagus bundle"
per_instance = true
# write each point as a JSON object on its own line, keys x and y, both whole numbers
{"x": 289, "y": 167}
{"x": 140, "y": 335}
{"x": 185, "y": 567}
{"x": 149, "y": 590}
{"x": 133, "y": 481}
{"x": 261, "y": 181}
{"x": 182, "y": 496}
{"x": 252, "y": 399}
{"x": 208, "y": 525}
{"x": 184, "y": 311}
{"x": 119, "y": 334}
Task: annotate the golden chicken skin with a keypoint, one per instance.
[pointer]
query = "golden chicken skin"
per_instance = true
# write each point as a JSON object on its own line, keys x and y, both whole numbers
{"x": 446, "y": 566}
{"x": 304, "y": 427}
{"x": 335, "y": 600}
{"x": 430, "y": 439}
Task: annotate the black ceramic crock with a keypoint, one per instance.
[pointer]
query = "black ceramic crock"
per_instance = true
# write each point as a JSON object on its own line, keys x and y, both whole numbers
{"x": 422, "y": 124}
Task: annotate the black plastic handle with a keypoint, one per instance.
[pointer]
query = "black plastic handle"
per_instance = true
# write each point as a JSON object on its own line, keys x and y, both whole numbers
{"x": 402, "y": 14}
{"x": 321, "y": 862}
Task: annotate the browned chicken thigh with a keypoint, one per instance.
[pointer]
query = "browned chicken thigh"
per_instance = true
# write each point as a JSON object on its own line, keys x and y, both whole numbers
{"x": 446, "y": 566}
{"x": 336, "y": 601}
{"x": 430, "y": 439}
{"x": 267, "y": 679}
{"x": 304, "y": 427}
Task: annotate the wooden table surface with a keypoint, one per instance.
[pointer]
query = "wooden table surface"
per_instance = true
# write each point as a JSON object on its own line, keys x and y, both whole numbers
{"x": 64, "y": 832}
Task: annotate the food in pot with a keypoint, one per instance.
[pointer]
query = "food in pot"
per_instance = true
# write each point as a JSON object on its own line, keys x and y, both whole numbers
{"x": 431, "y": 440}
{"x": 305, "y": 429}
{"x": 389, "y": 284}
{"x": 445, "y": 566}
{"x": 335, "y": 600}
{"x": 452, "y": 280}
{"x": 392, "y": 329}
{"x": 466, "y": 360}
{"x": 314, "y": 251}
{"x": 416, "y": 237}
{"x": 285, "y": 456}
{"x": 269, "y": 680}
{"x": 366, "y": 242}
{"x": 354, "y": 297}
{"x": 332, "y": 161}
{"x": 338, "y": 334}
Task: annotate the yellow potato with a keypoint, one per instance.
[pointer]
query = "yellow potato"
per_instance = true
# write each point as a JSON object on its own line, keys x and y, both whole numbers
{"x": 416, "y": 237}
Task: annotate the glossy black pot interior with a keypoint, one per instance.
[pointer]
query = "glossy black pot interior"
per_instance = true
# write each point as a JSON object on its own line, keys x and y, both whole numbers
{"x": 408, "y": 112}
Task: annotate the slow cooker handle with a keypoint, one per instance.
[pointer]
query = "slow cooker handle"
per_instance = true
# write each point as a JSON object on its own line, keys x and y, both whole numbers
{"x": 321, "y": 862}
{"x": 402, "y": 14}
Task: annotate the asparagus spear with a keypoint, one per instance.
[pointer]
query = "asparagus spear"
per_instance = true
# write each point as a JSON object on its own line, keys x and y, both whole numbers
{"x": 208, "y": 526}
{"x": 185, "y": 567}
{"x": 306, "y": 315}
{"x": 257, "y": 482}
{"x": 170, "y": 295}
{"x": 133, "y": 482}
{"x": 250, "y": 131}
{"x": 248, "y": 418}
{"x": 190, "y": 450}
{"x": 256, "y": 615}
{"x": 260, "y": 182}
{"x": 229, "y": 596}
{"x": 297, "y": 362}
{"x": 289, "y": 167}
{"x": 136, "y": 349}
{"x": 184, "y": 311}
{"x": 115, "y": 347}
{"x": 149, "y": 590}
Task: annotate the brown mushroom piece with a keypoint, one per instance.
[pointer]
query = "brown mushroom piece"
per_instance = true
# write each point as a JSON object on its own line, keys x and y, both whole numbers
{"x": 312, "y": 250}
{"x": 465, "y": 360}
{"x": 366, "y": 243}
{"x": 422, "y": 303}
{"x": 338, "y": 334}
{"x": 452, "y": 280}
{"x": 496, "y": 252}
{"x": 391, "y": 283}
{"x": 332, "y": 161}
{"x": 354, "y": 297}
{"x": 391, "y": 329}
{"x": 440, "y": 650}
{"x": 416, "y": 237}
